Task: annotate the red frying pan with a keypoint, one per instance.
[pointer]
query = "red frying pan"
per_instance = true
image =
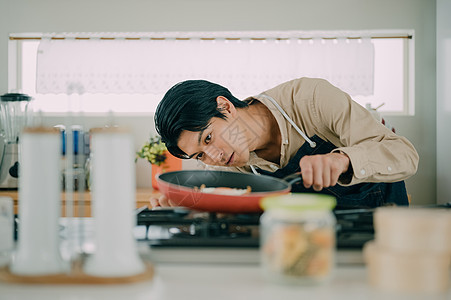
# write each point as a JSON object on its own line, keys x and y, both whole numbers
{"x": 182, "y": 188}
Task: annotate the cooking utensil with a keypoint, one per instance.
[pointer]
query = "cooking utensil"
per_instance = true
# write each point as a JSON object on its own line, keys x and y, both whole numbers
{"x": 183, "y": 189}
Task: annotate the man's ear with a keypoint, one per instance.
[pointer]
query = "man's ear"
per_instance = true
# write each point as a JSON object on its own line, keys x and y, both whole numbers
{"x": 225, "y": 106}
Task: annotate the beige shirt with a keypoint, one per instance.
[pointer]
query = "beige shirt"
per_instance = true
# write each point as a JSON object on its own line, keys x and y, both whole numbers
{"x": 317, "y": 107}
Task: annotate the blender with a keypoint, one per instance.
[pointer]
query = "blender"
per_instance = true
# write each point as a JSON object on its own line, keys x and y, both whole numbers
{"x": 14, "y": 116}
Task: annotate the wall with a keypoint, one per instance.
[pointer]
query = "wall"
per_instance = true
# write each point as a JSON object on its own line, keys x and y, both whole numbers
{"x": 443, "y": 101}
{"x": 197, "y": 15}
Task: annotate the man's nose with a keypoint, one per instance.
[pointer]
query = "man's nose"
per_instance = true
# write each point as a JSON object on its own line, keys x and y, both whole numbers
{"x": 214, "y": 154}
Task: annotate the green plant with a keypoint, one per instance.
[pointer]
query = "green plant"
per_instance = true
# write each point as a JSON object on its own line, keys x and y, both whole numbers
{"x": 153, "y": 151}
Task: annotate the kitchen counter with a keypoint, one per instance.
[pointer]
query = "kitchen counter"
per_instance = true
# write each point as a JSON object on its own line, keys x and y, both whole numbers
{"x": 175, "y": 278}
{"x": 83, "y": 201}
{"x": 213, "y": 281}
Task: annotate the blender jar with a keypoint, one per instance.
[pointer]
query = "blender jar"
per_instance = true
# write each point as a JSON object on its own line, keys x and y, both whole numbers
{"x": 14, "y": 116}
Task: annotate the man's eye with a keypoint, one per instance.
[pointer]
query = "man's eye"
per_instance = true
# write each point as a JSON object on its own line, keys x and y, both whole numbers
{"x": 199, "y": 156}
{"x": 208, "y": 138}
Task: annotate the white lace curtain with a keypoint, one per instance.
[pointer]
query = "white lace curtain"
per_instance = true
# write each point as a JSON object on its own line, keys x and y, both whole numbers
{"x": 245, "y": 66}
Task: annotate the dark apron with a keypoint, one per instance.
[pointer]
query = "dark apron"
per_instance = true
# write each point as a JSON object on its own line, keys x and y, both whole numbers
{"x": 362, "y": 195}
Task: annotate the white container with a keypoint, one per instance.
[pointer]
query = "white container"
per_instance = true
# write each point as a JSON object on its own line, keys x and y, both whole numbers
{"x": 113, "y": 202}
{"x": 405, "y": 229}
{"x": 38, "y": 251}
{"x": 394, "y": 271}
{"x": 298, "y": 238}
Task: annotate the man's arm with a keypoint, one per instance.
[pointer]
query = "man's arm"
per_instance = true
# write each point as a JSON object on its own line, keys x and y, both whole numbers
{"x": 376, "y": 154}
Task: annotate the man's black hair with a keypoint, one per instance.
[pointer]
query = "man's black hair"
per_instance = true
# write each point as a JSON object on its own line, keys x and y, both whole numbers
{"x": 189, "y": 105}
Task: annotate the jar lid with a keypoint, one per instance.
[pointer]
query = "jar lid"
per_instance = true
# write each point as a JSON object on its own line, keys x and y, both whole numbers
{"x": 299, "y": 202}
{"x": 12, "y": 97}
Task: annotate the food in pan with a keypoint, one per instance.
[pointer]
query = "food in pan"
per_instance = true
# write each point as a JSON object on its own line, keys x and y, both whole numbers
{"x": 293, "y": 251}
{"x": 224, "y": 190}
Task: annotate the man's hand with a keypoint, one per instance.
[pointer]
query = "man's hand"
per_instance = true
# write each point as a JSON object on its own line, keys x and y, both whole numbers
{"x": 160, "y": 200}
{"x": 323, "y": 170}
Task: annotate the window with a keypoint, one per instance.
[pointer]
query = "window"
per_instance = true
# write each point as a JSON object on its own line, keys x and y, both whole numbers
{"x": 90, "y": 102}
{"x": 390, "y": 68}
{"x": 393, "y": 77}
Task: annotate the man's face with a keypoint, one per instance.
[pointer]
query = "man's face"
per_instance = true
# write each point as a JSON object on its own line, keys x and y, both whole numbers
{"x": 222, "y": 143}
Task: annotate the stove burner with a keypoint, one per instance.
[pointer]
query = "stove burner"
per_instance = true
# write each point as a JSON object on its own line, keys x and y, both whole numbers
{"x": 183, "y": 227}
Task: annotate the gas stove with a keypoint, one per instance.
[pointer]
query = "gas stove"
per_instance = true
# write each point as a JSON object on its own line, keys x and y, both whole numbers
{"x": 181, "y": 227}
{"x": 180, "y": 235}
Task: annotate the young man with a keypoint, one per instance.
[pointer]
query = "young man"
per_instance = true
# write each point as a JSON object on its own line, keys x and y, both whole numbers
{"x": 305, "y": 125}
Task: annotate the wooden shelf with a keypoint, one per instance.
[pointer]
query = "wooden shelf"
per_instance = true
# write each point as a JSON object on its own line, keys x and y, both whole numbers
{"x": 82, "y": 205}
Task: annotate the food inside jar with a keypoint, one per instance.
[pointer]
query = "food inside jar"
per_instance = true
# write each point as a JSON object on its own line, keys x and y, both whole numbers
{"x": 294, "y": 251}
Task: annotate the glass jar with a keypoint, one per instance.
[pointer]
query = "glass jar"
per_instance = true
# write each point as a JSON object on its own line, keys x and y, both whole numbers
{"x": 298, "y": 238}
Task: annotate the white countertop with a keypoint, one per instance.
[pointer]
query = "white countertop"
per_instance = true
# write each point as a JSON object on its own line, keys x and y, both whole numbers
{"x": 212, "y": 281}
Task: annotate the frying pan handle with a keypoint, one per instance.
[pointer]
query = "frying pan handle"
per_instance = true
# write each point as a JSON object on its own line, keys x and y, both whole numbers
{"x": 293, "y": 178}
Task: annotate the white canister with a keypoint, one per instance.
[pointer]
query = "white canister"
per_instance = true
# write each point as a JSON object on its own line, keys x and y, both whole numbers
{"x": 406, "y": 272}
{"x": 113, "y": 203}
{"x": 404, "y": 229}
{"x": 38, "y": 249}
